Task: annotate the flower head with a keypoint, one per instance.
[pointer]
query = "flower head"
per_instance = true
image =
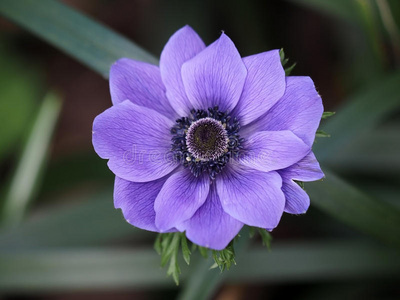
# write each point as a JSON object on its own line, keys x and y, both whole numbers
{"x": 208, "y": 141}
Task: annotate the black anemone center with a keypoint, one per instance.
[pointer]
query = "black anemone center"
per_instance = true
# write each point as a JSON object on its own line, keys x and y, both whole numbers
{"x": 206, "y": 140}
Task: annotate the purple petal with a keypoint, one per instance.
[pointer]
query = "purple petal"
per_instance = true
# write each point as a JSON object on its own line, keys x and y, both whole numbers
{"x": 297, "y": 200}
{"x": 251, "y": 196}
{"x": 273, "y": 150}
{"x": 307, "y": 169}
{"x": 182, "y": 46}
{"x": 136, "y": 199}
{"x": 264, "y": 86}
{"x": 215, "y": 76}
{"x": 140, "y": 83}
{"x": 136, "y": 140}
{"x": 299, "y": 110}
{"x": 210, "y": 226}
{"x": 179, "y": 198}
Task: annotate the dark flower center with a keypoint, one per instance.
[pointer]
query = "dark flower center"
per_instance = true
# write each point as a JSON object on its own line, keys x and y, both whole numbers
{"x": 206, "y": 140}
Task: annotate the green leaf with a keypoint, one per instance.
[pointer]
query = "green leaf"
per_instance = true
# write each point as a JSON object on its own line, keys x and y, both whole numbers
{"x": 252, "y": 231}
{"x": 282, "y": 57}
{"x": 174, "y": 269}
{"x": 157, "y": 244}
{"x": 266, "y": 238}
{"x": 289, "y": 70}
{"x": 168, "y": 247}
{"x": 225, "y": 258}
{"x": 32, "y": 161}
{"x": 284, "y": 61}
{"x": 79, "y": 36}
{"x": 327, "y": 114}
{"x": 352, "y": 207}
{"x": 203, "y": 251}
{"x": 185, "y": 249}
{"x": 321, "y": 134}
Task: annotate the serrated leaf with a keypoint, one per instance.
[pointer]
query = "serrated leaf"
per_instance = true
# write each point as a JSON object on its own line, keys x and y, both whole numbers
{"x": 214, "y": 266}
{"x": 224, "y": 258}
{"x": 173, "y": 268}
{"x": 157, "y": 244}
{"x": 322, "y": 134}
{"x": 266, "y": 238}
{"x": 252, "y": 232}
{"x": 327, "y": 114}
{"x": 203, "y": 251}
{"x": 300, "y": 183}
{"x": 185, "y": 249}
{"x": 282, "y": 55}
{"x": 170, "y": 243}
{"x": 284, "y": 61}
{"x": 167, "y": 248}
{"x": 289, "y": 69}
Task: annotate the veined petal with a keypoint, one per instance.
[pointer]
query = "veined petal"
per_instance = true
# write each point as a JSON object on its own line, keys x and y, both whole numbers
{"x": 136, "y": 140}
{"x": 307, "y": 169}
{"x": 136, "y": 200}
{"x": 251, "y": 196}
{"x": 180, "y": 197}
{"x": 299, "y": 110}
{"x": 182, "y": 46}
{"x": 264, "y": 86}
{"x": 273, "y": 150}
{"x": 297, "y": 200}
{"x": 215, "y": 76}
{"x": 211, "y": 226}
{"x": 140, "y": 83}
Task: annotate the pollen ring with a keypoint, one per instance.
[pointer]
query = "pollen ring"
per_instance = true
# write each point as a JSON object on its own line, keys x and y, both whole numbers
{"x": 206, "y": 140}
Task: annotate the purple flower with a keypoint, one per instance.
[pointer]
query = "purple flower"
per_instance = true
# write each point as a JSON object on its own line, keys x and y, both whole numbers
{"x": 208, "y": 141}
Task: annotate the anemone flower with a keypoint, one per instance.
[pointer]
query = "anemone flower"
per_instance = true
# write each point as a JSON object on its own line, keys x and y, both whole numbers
{"x": 208, "y": 141}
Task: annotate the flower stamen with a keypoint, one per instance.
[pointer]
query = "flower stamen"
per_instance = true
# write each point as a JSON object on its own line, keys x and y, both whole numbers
{"x": 206, "y": 140}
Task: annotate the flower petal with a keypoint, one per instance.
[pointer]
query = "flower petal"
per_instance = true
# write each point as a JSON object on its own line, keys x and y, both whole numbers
{"x": 273, "y": 150}
{"x": 140, "y": 83}
{"x": 299, "y": 110}
{"x": 307, "y": 169}
{"x": 179, "y": 198}
{"x": 210, "y": 226}
{"x": 215, "y": 76}
{"x": 136, "y": 199}
{"x": 297, "y": 200}
{"x": 251, "y": 196}
{"x": 136, "y": 140}
{"x": 264, "y": 86}
{"x": 182, "y": 46}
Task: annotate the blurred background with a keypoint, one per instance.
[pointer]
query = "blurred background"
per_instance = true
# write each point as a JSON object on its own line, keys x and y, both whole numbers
{"x": 61, "y": 238}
